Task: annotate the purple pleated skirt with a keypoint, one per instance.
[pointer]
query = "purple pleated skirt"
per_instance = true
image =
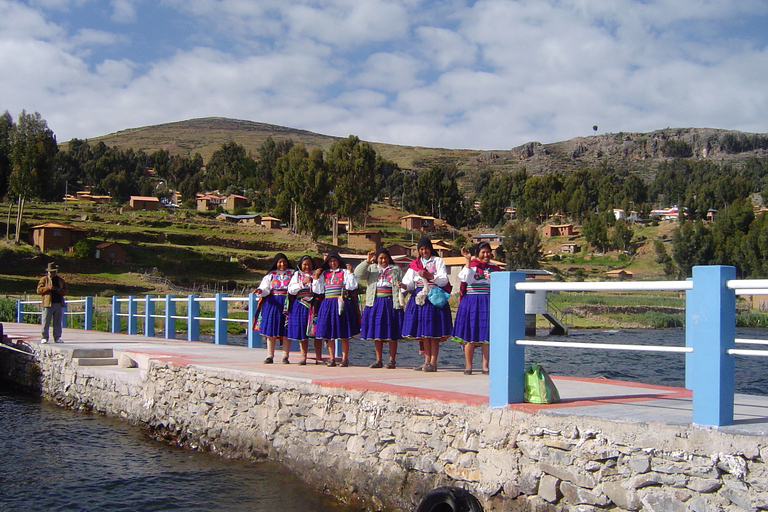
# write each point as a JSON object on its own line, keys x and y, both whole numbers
{"x": 381, "y": 321}
{"x": 331, "y": 325}
{"x": 473, "y": 317}
{"x": 297, "y": 321}
{"x": 272, "y": 318}
{"x": 426, "y": 321}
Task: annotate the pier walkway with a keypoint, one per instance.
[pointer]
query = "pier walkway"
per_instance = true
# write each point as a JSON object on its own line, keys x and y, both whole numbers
{"x": 600, "y": 398}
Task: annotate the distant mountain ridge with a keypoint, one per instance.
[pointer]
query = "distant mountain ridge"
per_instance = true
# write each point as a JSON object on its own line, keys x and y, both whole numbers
{"x": 633, "y": 152}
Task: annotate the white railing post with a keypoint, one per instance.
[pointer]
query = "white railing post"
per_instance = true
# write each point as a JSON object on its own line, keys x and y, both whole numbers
{"x": 507, "y": 359}
{"x": 710, "y": 330}
{"x": 19, "y": 311}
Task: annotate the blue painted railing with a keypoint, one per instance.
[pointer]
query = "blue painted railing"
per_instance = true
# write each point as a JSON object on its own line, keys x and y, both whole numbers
{"x": 709, "y": 338}
{"x": 73, "y": 307}
{"x": 144, "y": 308}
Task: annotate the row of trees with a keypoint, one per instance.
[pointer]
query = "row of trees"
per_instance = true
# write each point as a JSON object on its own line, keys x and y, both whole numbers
{"x": 309, "y": 185}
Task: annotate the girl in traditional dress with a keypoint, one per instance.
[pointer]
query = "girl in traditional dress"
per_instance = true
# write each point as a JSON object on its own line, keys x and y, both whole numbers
{"x": 337, "y": 316}
{"x": 302, "y": 306}
{"x": 273, "y": 297}
{"x": 422, "y": 319}
{"x": 383, "y": 313}
{"x": 472, "y": 326}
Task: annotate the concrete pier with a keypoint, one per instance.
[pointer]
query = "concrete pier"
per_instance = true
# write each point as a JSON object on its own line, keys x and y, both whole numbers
{"x": 384, "y": 438}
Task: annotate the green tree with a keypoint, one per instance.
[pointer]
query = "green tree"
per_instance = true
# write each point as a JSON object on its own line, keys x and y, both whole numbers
{"x": 352, "y": 165}
{"x": 522, "y": 245}
{"x": 6, "y": 129}
{"x": 595, "y": 231}
{"x": 33, "y": 153}
{"x": 691, "y": 245}
{"x": 621, "y": 236}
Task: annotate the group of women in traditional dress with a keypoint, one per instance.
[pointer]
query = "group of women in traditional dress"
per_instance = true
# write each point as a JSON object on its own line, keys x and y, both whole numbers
{"x": 321, "y": 304}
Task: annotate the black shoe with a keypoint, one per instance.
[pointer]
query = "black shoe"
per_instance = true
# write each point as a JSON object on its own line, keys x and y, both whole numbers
{"x": 269, "y": 360}
{"x": 344, "y": 363}
{"x": 377, "y": 364}
{"x": 331, "y": 363}
{"x": 430, "y": 368}
{"x": 467, "y": 372}
{"x": 391, "y": 364}
{"x": 286, "y": 361}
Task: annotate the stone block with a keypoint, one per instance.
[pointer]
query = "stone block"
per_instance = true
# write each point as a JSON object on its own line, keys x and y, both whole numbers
{"x": 576, "y": 495}
{"x": 639, "y": 463}
{"x": 457, "y": 472}
{"x": 659, "y": 502}
{"x": 704, "y": 485}
{"x": 621, "y": 497}
{"x": 548, "y": 488}
{"x": 569, "y": 474}
{"x": 740, "y": 500}
{"x": 645, "y": 480}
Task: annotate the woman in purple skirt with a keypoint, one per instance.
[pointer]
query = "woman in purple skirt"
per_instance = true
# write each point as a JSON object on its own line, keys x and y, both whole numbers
{"x": 272, "y": 292}
{"x": 302, "y": 304}
{"x": 472, "y": 326}
{"x": 337, "y": 316}
{"x": 383, "y": 313}
{"x": 422, "y": 319}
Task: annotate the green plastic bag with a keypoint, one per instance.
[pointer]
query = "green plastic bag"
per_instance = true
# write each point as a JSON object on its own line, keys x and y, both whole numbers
{"x": 539, "y": 388}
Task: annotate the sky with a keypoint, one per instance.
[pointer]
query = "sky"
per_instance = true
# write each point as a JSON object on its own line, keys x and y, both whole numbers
{"x": 488, "y": 74}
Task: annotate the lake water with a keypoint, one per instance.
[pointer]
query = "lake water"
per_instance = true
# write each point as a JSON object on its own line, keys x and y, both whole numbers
{"x": 54, "y": 459}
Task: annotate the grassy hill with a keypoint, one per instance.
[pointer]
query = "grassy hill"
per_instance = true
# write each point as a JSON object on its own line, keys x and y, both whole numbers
{"x": 632, "y": 152}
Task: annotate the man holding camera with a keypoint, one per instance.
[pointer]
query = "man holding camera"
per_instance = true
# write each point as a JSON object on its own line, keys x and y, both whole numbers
{"x": 52, "y": 288}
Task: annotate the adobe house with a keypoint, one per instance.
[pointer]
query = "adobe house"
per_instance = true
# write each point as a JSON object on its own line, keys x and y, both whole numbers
{"x": 493, "y": 239}
{"x": 233, "y": 201}
{"x": 571, "y": 248}
{"x": 551, "y": 230}
{"x": 247, "y": 219}
{"x": 620, "y": 274}
{"x": 418, "y": 222}
{"x": 55, "y": 235}
{"x": 112, "y": 252}
{"x": 441, "y": 248}
{"x": 208, "y": 202}
{"x": 398, "y": 250}
{"x": 144, "y": 203}
{"x": 271, "y": 222}
{"x": 364, "y": 239}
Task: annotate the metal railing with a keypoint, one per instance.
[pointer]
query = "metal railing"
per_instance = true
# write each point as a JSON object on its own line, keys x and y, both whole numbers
{"x": 145, "y": 309}
{"x": 73, "y": 308}
{"x": 710, "y": 335}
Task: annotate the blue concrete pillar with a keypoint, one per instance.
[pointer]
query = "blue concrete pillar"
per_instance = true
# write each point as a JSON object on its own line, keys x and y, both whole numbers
{"x": 133, "y": 311}
{"x": 193, "y": 324}
{"x": 64, "y": 315}
{"x": 219, "y": 319}
{"x": 149, "y": 320}
{"x": 88, "y": 321}
{"x": 115, "y": 314}
{"x": 19, "y": 311}
{"x": 507, "y": 359}
{"x": 170, "y": 322}
{"x": 710, "y": 329}
{"x": 254, "y": 336}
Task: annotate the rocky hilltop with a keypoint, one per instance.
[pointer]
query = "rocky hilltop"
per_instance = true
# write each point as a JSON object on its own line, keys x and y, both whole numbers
{"x": 631, "y": 152}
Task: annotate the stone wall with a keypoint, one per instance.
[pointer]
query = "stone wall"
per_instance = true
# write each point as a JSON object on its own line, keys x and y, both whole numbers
{"x": 384, "y": 452}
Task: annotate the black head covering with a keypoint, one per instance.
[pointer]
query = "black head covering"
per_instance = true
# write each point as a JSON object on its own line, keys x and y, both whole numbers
{"x": 333, "y": 254}
{"x": 273, "y": 265}
{"x": 382, "y": 250}
{"x": 306, "y": 257}
{"x": 425, "y": 241}
{"x": 480, "y": 246}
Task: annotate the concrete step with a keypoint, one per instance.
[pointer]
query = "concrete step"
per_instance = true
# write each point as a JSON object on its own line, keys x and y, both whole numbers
{"x": 79, "y": 353}
{"x": 97, "y": 361}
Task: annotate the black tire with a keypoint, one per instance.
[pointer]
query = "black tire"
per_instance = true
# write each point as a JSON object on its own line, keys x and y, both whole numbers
{"x": 449, "y": 499}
